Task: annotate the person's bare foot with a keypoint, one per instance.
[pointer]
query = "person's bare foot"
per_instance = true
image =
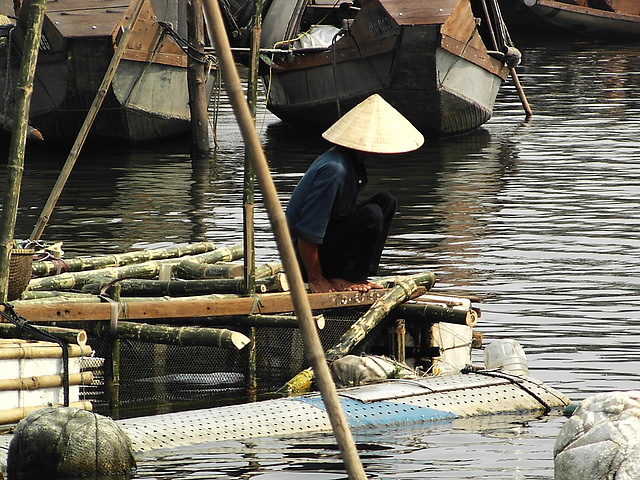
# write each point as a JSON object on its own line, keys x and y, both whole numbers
{"x": 342, "y": 285}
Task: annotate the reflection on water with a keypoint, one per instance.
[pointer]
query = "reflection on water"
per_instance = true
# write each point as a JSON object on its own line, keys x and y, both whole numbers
{"x": 540, "y": 218}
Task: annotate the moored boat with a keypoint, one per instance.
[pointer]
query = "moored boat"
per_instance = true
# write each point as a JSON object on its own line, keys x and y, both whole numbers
{"x": 440, "y": 64}
{"x": 602, "y": 19}
{"x": 148, "y": 98}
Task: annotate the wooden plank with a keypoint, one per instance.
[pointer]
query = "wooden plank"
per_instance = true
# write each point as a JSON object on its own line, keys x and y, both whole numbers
{"x": 190, "y": 307}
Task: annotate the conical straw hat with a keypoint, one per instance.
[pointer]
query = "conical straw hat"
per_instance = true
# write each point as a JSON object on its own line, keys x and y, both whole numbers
{"x": 374, "y": 126}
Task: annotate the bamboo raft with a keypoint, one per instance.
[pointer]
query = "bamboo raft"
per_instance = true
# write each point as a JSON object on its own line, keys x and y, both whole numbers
{"x": 101, "y": 299}
{"x": 194, "y": 296}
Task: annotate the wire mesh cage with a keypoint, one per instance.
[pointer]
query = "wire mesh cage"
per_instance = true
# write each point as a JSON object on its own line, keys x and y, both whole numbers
{"x": 158, "y": 377}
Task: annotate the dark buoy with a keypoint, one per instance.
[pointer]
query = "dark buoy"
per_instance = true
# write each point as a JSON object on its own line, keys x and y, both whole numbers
{"x": 68, "y": 442}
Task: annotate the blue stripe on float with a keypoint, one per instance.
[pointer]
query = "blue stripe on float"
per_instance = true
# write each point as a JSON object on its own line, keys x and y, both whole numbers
{"x": 381, "y": 413}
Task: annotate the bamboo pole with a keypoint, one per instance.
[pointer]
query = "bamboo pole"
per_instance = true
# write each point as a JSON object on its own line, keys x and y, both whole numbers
{"x": 249, "y": 172}
{"x": 512, "y": 70}
{"x": 134, "y": 308}
{"x": 178, "y": 288}
{"x": 183, "y": 336}
{"x": 49, "y": 267}
{"x": 172, "y": 288}
{"x": 69, "y": 335}
{"x": 431, "y": 313}
{"x": 379, "y": 311}
{"x": 44, "y": 381}
{"x": 148, "y": 270}
{"x": 310, "y": 338}
{"x": 197, "y": 72}
{"x": 520, "y": 90}
{"x": 30, "y": 350}
{"x": 15, "y": 162}
{"x": 248, "y": 321}
{"x": 14, "y": 415}
{"x": 190, "y": 269}
{"x": 88, "y": 122}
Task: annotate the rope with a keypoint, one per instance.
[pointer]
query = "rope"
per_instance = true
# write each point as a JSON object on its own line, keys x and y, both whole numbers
{"x": 23, "y": 325}
{"x": 184, "y": 44}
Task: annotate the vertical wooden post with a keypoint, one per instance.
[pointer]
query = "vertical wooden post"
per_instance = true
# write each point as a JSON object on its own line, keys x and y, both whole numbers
{"x": 15, "y": 163}
{"x": 113, "y": 380}
{"x": 313, "y": 347}
{"x": 397, "y": 340}
{"x": 197, "y": 73}
{"x": 249, "y": 190}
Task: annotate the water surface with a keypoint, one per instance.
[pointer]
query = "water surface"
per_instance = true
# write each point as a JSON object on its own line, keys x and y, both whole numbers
{"x": 540, "y": 218}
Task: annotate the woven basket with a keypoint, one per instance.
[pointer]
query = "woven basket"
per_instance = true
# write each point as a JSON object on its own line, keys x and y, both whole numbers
{"x": 20, "y": 260}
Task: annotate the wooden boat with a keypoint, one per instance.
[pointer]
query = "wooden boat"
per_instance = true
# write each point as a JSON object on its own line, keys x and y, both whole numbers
{"x": 148, "y": 98}
{"x": 595, "y": 18}
{"x": 439, "y": 63}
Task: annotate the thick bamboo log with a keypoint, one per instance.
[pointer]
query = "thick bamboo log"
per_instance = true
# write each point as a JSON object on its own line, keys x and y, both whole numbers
{"x": 430, "y": 313}
{"x": 14, "y": 415}
{"x": 183, "y": 336}
{"x": 148, "y": 270}
{"x": 168, "y": 308}
{"x": 54, "y": 296}
{"x": 172, "y": 288}
{"x": 225, "y": 270}
{"x": 44, "y": 381}
{"x": 26, "y": 350}
{"x": 404, "y": 288}
{"x": 247, "y": 321}
{"x": 76, "y": 280}
{"x": 192, "y": 268}
{"x": 77, "y": 264}
{"x": 15, "y": 161}
{"x": 79, "y": 337}
{"x": 184, "y": 288}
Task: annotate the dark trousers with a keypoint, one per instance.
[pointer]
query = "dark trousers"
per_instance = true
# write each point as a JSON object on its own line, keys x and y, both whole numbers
{"x": 352, "y": 246}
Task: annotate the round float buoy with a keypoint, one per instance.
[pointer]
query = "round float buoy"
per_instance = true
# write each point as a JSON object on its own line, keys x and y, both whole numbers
{"x": 68, "y": 442}
{"x": 601, "y": 440}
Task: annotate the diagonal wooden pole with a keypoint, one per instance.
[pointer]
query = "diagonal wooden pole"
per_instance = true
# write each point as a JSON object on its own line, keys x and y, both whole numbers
{"x": 313, "y": 347}
{"x": 15, "y": 163}
{"x": 86, "y": 126}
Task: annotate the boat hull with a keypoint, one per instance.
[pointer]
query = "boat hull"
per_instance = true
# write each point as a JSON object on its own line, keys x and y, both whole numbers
{"x": 148, "y": 96}
{"x": 587, "y": 21}
{"x": 429, "y": 72}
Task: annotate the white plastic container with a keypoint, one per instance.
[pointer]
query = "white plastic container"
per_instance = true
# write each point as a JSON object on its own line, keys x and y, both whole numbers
{"x": 506, "y": 355}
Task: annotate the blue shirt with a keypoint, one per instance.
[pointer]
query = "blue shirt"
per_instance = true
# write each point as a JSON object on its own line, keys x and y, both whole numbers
{"x": 327, "y": 192}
